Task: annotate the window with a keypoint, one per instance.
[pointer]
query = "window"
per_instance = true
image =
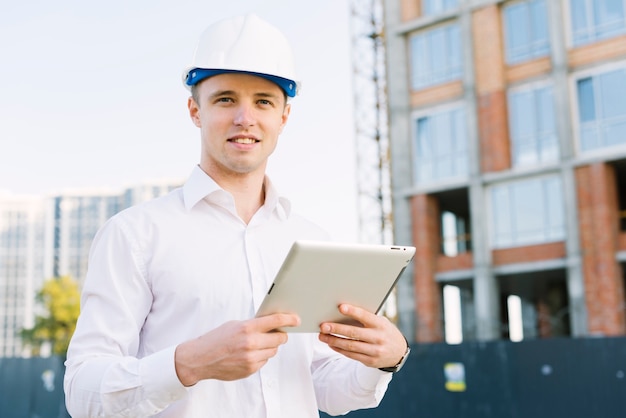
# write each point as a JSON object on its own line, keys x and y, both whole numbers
{"x": 440, "y": 147}
{"x": 532, "y": 126}
{"x": 526, "y": 31}
{"x": 594, "y": 20}
{"x": 454, "y": 234}
{"x": 527, "y": 212}
{"x": 433, "y": 7}
{"x": 602, "y": 109}
{"x": 435, "y": 57}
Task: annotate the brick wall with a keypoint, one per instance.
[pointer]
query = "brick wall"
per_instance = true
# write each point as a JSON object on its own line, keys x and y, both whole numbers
{"x": 599, "y": 239}
{"x": 490, "y": 90}
{"x": 425, "y": 215}
{"x": 529, "y": 253}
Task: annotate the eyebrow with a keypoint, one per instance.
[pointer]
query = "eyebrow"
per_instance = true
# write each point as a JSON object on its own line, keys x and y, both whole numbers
{"x": 262, "y": 94}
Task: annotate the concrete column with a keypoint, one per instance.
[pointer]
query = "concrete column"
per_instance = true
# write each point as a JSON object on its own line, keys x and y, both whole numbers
{"x": 560, "y": 75}
{"x": 486, "y": 290}
{"x": 399, "y": 118}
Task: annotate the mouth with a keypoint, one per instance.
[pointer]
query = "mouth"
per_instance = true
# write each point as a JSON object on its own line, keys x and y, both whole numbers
{"x": 245, "y": 140}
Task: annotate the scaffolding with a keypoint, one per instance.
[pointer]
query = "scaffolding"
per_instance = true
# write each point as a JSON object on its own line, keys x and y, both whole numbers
{"x": 371, "y": 129}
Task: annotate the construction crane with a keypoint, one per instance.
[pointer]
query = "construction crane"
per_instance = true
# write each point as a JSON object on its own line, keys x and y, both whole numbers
{"x": 371, "y": 129}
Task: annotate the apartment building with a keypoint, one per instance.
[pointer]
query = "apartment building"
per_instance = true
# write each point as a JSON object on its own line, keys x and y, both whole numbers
{"x": 508, "y": 151}
{"x": 22, "y": 265}
{"x": 42, "y": 237}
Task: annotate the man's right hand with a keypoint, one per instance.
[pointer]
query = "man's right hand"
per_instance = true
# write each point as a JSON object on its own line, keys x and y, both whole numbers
{"x": 232, "y": 351}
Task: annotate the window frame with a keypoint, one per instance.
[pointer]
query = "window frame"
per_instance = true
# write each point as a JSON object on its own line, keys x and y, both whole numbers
{"x": 491, "y": 225}
{"x": 532, "y": 86}
{"x": 445, "y": 10}
{"x": 574, "y": 110}
{"x": 429, "y": 112}
{"x": 413, "y": 84}
{"x": 569, "y": 26}
{"x": 533, "y": 55}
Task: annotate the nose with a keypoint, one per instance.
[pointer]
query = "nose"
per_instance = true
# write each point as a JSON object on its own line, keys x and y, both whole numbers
{"x": 245, "y": 115}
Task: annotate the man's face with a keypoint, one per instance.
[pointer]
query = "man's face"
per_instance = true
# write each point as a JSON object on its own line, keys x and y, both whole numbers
{"x": 240, "y": 117}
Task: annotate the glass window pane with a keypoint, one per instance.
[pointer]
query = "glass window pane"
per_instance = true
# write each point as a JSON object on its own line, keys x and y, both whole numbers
{"x": 438, "y": 54}
{"x": 528, "y": 212}
{"x": 435, "y": 56}
{"x": 501, "y": 213}
{"x": 454, "y": 53}
{"x": 612, "y": 87}
{"x": 450, "y": 4}
{"x": 440, "y": 151}
{"x": 609, "y": 17}
{"x": 594, "y": 20}
{"x": 528, "y": 204}
{"x": 532, "y": 127}
{"x": 615, "y": 133}
{"x": 586, "y": 102}
{"x": 432, "y": 7}
{"x": 419, "y": 61}
{"x": 589, "y": 138}
{"x": 539, "y": 21}
{"x": 424, "y": 147}
{"x": 526, "y": 30}
{"x": 580, "y": 21}
{"x": 458, "y": 133}
{"x": 545, "y": 110}
{"x": 555, "y": 223}
{"x": 515, "y": 22}
{"x": 524, "y": 114}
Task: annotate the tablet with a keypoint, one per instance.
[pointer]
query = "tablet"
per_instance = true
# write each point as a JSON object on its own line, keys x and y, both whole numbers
{"x": 317, "y": 276}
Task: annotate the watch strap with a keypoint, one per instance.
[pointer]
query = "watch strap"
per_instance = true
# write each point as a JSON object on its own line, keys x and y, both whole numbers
{"x": 398, "y": 366}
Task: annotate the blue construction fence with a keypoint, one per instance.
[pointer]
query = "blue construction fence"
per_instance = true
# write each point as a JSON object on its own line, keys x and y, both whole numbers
{"x": 551, "y": 378}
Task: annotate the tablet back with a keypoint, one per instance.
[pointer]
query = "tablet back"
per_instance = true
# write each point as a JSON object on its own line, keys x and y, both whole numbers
{"x": 317, "y": 276}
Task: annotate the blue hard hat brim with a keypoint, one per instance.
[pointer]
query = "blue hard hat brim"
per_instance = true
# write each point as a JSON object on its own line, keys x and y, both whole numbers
{"x": 198, "y": 74}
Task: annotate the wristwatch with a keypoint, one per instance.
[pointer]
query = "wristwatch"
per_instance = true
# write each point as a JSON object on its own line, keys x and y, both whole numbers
{"x": 398, "y": 366}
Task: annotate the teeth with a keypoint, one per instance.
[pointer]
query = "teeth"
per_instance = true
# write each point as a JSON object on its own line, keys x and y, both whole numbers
{"x": 244, "y": 140}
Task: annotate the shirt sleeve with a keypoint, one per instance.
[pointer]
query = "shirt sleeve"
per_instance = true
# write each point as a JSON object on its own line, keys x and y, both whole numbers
{"x": 343, "y": 385}
{"x": 104, "y": 375}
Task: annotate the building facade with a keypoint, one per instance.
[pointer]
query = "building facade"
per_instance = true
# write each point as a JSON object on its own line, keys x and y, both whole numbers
{"x": 46, "y": 237}
{"x": 508, "y": 153}
{"x": 22, "y": 264}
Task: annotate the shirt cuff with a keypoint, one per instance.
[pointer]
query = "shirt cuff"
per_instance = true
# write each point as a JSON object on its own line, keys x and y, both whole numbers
{"x": 371, "y": 378}
{"x": 158, "y": 375}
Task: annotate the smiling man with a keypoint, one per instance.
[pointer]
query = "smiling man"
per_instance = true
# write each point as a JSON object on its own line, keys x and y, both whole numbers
{"x": 167, "y": 324}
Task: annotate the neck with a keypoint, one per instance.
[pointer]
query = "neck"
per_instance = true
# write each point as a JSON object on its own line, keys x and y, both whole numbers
{"x": 248, "y": 190}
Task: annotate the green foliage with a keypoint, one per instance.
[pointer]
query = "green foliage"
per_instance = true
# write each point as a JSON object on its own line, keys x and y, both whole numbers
{"x": 60, "y": 298}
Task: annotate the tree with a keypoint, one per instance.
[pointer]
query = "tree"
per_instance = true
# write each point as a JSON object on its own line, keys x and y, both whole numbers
{"x": 60, "y": 298}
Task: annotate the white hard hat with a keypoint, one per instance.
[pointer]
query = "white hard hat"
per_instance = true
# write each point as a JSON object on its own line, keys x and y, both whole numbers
{"x": 244, "y": 44}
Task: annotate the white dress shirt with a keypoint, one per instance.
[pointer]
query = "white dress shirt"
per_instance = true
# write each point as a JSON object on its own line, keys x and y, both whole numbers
{"x": 174, "y": 268}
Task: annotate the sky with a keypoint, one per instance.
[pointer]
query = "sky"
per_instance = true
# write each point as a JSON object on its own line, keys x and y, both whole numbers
{"x": 91, "y": 97}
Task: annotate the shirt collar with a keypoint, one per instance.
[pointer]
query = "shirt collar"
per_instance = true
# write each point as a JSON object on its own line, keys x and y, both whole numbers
{"x": 200, "y": 185}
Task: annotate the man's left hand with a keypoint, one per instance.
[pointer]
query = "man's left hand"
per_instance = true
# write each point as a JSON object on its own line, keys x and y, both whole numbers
{"x": 378, "y": 343}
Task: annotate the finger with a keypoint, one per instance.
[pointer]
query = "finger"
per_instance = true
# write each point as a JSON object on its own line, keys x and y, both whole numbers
{"x": 355, "y": 350}
{"x": 275, "y": 321}
{"x": 367, "y": 318}
{"x": 344, "y": 331}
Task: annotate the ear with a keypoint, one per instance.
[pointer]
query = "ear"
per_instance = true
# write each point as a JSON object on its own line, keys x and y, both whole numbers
{"x": 285, "y": 116}
{"x": 194, "y": 112}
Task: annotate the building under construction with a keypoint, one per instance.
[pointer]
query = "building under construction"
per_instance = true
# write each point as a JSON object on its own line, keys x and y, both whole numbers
{"x": 507, "y": 151}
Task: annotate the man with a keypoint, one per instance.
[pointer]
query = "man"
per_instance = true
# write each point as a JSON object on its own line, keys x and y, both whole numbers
{"x": 167, "y": 325}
